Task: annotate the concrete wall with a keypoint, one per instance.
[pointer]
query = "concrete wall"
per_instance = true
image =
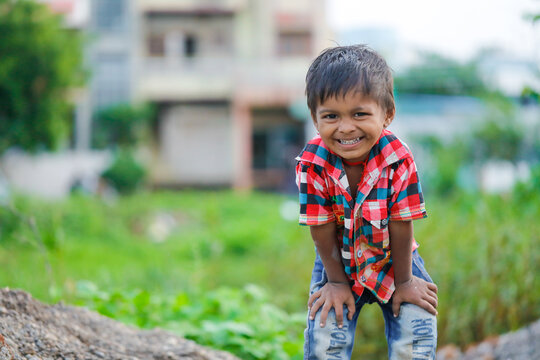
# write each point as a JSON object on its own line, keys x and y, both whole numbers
{"x": 239, "y": 61}
{"x": 52, "y": 175}
{"x": 196, "y": 145}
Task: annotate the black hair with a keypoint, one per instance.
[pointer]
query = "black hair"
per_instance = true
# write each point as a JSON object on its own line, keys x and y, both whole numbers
{"x": 341, "y": 69}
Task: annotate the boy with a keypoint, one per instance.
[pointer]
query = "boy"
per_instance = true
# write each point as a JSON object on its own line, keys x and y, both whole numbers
{"x": 359, "y": 191}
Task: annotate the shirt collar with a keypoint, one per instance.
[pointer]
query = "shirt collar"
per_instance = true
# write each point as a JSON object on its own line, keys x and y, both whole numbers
{"x": 386, "y": 151}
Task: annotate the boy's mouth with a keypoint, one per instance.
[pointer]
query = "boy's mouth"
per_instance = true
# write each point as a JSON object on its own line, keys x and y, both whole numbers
{"x": 350, "y": 142}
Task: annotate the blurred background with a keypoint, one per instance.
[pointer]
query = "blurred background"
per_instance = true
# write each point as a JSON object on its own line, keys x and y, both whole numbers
{"x": 147, "y": 159}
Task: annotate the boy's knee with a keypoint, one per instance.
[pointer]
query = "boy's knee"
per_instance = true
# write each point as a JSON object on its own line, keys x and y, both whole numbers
{"x": 330, "y": 341}
{"x": 417, "y": 335}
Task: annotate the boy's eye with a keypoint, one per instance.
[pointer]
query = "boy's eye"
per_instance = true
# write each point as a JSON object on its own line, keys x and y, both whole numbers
{"x": 330, "y": 116}
{"x": 360, "y": 114}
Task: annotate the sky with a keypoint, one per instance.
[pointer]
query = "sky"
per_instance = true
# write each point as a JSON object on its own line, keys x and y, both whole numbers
{"x": 456, "y": 28}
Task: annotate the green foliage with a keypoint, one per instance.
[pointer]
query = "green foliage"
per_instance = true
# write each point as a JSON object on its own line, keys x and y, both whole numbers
{"x": 192, "y": 280}
{"x": 443, "y": 168}
{"x": 125, "y": 174}
{"x": 498, "y": 139}
{"x": 39, "y": 61}
{"x": 122, "y": 125}
{"x": 500, "y": 136}
{"x": 241, "y": 321}
{"x": 126, "y": 244}
{"x": 41, "y": 229}
{"x": 532, "y": 17}
{"x": 455, "y": 165}
{"x": 478, "y": 248}
{"x": 436, "y": 74}
{"x": 10, "y": 223}
{"x": 524, "y": 191}
{"x": 530, "y": 94}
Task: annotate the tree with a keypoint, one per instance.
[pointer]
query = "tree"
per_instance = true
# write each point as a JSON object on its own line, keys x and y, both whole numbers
{"x": 121, "y": 125}
{"x": 40, "y": 60}
{"x": 436, "y": 74}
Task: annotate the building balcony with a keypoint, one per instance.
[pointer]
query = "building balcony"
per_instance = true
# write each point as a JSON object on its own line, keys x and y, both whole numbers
{"x": 190, "y": 5}
{"x": 163, "y": 79}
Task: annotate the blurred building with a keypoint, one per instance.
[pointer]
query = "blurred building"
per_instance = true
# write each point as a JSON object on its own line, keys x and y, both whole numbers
{"x": 223, "y": 74}
{"x": 508, "y": 72}
{"x": 227, "y": 79}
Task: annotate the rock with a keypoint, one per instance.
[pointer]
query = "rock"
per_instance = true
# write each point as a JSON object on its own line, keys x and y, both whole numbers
{"x": 30, "y": 330}
{"x": 523, "y": 344}
{"x": 449, "y": 352}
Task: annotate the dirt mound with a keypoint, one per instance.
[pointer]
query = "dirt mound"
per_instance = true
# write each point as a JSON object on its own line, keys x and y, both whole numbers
{"x": 31, "y": 330}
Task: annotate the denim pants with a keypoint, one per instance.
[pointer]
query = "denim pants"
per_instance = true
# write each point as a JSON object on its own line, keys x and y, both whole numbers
{"x": 411, "y": 335}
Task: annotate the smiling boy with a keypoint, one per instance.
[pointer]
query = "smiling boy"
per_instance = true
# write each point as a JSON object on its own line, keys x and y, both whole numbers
{"x": 359, "y": 192}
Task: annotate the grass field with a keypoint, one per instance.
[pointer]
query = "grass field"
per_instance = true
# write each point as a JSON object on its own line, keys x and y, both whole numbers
{"x": 180, "y": 259}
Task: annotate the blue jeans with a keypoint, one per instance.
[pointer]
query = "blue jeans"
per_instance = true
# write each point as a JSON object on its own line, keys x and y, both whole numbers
{"x": 411, "y": 335}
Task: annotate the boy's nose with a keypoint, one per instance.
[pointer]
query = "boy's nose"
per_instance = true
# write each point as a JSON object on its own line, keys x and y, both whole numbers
{"x": 346, "y": 125}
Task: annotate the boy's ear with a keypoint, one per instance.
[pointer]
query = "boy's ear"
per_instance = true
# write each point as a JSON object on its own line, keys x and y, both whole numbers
{"x": 390, "y": 113}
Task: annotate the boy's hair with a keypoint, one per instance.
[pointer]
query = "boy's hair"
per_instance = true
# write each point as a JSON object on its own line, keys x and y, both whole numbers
{"x": 338, "y": 70}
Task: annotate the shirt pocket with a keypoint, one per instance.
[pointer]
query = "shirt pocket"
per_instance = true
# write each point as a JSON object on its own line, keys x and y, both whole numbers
{"x": 376, "y": 212}
{"x": 339, "y": 214}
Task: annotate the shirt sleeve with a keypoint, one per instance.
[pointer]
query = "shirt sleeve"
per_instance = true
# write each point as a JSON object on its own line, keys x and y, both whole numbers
{"x": 315, "y": 203}
{"x": 407, "y": 200}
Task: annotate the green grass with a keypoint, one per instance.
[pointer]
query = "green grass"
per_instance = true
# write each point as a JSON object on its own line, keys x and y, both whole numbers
{"x": 219, "y": 239}
{"x": 482, "y": 251}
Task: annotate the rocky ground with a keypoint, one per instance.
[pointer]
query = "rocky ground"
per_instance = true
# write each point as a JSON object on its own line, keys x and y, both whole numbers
{"x": 30, "y": 330}
{"x": 523, "y": 344}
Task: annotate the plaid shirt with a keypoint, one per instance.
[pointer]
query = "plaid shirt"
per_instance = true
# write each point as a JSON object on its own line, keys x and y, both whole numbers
{"x": 389, "y": 190}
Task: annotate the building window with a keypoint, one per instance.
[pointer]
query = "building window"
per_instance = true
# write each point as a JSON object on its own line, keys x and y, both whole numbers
{"x": 294, "y": 43}
{"x": 260, "y": 144}
{"x": 190, "y": 46}
{"x": 109, "y": 15}
{"x": 110, "y": 83}
{"x": 156, "y": 45}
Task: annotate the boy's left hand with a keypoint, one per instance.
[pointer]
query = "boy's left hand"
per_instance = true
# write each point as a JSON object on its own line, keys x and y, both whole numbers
{"x": 418, "y": 292}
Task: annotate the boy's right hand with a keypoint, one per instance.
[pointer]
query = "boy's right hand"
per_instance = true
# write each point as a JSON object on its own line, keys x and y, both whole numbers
{"x": 332, "y": 295}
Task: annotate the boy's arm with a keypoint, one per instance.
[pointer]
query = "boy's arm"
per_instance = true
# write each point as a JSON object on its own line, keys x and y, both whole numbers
{"x": 409, "y": 288}
{"x": 337, "y": 290}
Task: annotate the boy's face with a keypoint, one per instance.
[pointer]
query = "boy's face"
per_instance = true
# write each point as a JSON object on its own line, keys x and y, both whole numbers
{"x": 350, "y": 125}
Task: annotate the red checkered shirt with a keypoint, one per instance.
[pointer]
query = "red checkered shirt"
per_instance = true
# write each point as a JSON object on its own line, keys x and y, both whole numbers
{"x": 389, "y": 190}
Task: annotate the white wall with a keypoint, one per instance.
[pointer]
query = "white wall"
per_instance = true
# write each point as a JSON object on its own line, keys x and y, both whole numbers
{"x": 52, "y": 175}
{"x": 196, "y": 144}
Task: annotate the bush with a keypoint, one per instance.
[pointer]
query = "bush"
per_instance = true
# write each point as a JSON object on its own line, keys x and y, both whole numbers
{"x": 500, "y": 136}
{"x": 443, "y": 166}
{"x": 121, "y": 125}
{"x": 478, "y": 249}
{"x": 125, "y": 174}
{"x": 240, "y": 321}
{"x": 525, "y": 191}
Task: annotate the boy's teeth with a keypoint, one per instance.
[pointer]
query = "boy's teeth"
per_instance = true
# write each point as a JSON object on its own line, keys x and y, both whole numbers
{"x": 349, "y": 142}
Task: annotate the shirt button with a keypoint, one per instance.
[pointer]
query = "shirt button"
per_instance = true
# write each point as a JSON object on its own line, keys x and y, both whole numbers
{"x": 384, "y": 222}
{"x": 359, "y": 253}
{"x": 363, "y": 278}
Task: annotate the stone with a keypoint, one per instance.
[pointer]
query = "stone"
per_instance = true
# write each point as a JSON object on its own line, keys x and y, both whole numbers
{"x": 449, "y": 352}
{"x": 523, "y": 344}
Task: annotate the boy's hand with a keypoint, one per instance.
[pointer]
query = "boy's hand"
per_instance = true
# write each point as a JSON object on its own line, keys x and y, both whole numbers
{"x": 332, "y": 295}
{"x": 415, "y": 291}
